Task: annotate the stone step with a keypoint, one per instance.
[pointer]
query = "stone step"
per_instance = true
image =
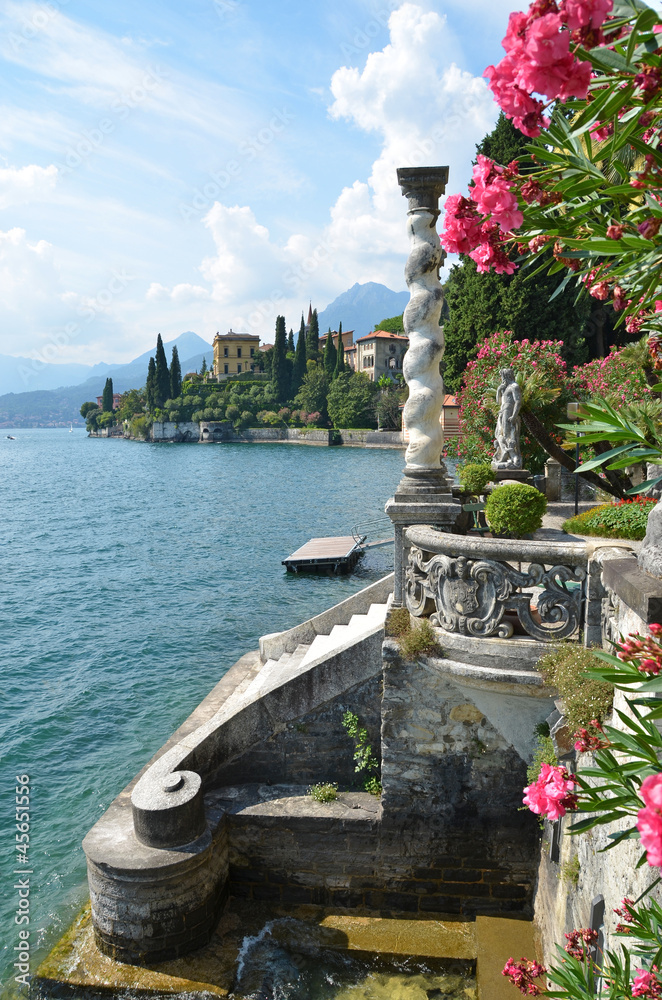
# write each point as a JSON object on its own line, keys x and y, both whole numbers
{"x": 275, "y": 672}
{"x": 358, "y": 627}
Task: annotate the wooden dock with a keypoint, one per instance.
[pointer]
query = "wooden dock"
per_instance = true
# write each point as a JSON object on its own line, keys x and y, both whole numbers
{"x": 326, "y": 555}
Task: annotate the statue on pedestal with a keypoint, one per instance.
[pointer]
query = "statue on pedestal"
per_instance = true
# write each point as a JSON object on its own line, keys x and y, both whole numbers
{"x": 507, "y": 454}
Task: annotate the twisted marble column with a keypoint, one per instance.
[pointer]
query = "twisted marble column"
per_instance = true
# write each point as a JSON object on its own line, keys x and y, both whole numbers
{"x": 423, "y": 186}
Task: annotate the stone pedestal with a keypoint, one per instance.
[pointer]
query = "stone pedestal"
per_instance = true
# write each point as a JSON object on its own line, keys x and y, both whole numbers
{"x": 552, "y": 479}
{"x": 418, "y": 500}
{"x": 513, "y": 476}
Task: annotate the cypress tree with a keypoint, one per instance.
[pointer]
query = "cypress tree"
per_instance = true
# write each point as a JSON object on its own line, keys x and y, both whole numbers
{"x": 279, "y": 369}
{"x": 290, "y": 342}
{"x": 162, "y": 386}
{"x": 299, "y": 369}
{"x": 330, "y": 355}
{"x": 313, "y": 335}
{"x": 150, "y": 386}
{"x": 175, "y": 375}
{"x": 341, "y": 364}
{"x": 107, "y": 397}
{"x": 203, "y": 367}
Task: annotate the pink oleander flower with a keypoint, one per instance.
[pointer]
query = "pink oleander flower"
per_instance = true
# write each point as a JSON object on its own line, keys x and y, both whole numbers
{"x": 524, "y": 110}
{"x": 585, "y": 13}
{"x": 462, "y": 225}
{"x": 620, "y": 302}
{"x": 493, "y": 195}
{"x": 577, "y": 941}
{"x": 649, "y": 819}
{"x": 646, "y": 984}
{"x": 615, "y": 231}
{"x": 522, "y": 974}
{"x": 600, "y": 290}
{"x": 552, "y": 794}
{"x": 545, "y": 43}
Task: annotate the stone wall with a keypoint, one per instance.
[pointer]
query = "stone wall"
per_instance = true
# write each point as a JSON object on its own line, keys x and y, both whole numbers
{"x": 580, "y": 870}
{"x": 166, "y": 430}
{"x": 452, "y": 779}
{"x": 315, "y": 747}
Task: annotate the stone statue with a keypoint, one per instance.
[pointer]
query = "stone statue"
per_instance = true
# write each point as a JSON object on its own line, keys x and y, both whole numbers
{"x": 506, "y": 442}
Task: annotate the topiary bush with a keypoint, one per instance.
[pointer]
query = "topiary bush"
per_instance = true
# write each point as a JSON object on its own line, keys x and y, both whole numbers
{"x": 623, "y": 519}
{"x": 515, "y": 509}
{"x": 474, "y": 477}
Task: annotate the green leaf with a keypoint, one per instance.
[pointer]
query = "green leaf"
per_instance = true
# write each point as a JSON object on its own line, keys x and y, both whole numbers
{"x": 607, "y": 59}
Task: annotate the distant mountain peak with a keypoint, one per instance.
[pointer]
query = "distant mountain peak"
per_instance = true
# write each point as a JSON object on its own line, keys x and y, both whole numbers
{"x": 362, "y": 307}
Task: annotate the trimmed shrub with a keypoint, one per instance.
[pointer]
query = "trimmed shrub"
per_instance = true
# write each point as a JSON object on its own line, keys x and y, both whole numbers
{"x": 515, "y": 509}
{"x": 584, "y": 698}
{"x": 475, "y": 476}
{"x": 622, "y": 519}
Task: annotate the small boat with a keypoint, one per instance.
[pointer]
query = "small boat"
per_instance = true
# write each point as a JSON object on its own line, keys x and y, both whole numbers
{"x": 10, "y": 438}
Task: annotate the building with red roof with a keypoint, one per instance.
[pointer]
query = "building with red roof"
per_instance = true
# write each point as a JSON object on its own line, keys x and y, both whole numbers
{"x": 381, "y": 353}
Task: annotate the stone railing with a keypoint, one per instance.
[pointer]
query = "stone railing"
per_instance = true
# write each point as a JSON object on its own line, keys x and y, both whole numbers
{"x": 485, "y": 587}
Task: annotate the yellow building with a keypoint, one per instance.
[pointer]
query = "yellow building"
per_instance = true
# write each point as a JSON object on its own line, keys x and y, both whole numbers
{"x": 234, "y": 353}
{"x": 380, "y": 353}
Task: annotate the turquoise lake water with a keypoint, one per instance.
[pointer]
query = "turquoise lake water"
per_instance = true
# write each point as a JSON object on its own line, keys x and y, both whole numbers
{"x": 133, "y": 577}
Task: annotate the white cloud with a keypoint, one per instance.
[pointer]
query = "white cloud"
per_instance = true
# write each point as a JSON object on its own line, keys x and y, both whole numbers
{"x": 425, "y": 110}
{"x": 181, "y": 294}
{"x": 19, "y": 185}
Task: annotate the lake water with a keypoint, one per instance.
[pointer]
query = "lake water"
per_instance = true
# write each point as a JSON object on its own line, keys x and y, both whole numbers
{"x": 133, "y": 577}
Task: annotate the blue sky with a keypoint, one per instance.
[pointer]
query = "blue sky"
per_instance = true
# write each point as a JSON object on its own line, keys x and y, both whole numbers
{"x": 166, "y": 167}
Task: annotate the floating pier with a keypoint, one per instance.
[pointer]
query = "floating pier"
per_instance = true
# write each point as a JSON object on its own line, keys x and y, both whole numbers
{"x": 326, "y": 555}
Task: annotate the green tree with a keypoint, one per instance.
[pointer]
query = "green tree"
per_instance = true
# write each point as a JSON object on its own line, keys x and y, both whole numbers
{"x": 351, "y": 401}
{"x": 131, "y": 402}
{"x": 392, "y": 325}
{"x": 504, "y": 143}
{"x": 150, "y": 386}
{"x": 341, "y": 364}
{"x": 280, "y": 380}
{"x": 391, "y": 395}
{"x": 162, "y": 382}
{"x": 107, "y": 397}
{"x": 299, "y": 368}
{"x": 87, "y": 408}
{"x": 330, "y": 355}
{"x": 313, "y": 392}
{"x": 290, "y": 341}
{"x": 175, "y": 375}
{"x": 313, "y": 335}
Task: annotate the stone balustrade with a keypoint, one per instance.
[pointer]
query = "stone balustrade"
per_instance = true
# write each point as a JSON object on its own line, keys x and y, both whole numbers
{"x": 492, "y": 588}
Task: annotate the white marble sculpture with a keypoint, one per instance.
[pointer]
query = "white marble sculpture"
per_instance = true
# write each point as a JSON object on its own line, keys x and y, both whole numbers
{"x": 507, "y": 436}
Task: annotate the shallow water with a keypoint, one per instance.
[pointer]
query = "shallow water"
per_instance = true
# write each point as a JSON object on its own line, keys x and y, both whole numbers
{"x": 284, "y": 962}
{"x": 133, "y": 577}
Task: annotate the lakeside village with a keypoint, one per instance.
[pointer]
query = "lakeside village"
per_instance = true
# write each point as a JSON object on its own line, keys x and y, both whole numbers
{"x": 318, "y": 382}
{"x": 506, "y": 674}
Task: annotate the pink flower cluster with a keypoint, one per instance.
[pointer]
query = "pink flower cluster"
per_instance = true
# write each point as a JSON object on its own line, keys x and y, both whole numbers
{"x": 585, "y": 742}
{"x": 646, "y": 984}
{"x": 643, "y": 651}
{"x": 613, "y": 377}
{"x": 649, "y": 819}
{"x": 552, "y": 794}
{"x": 625, "y": 913}
{"x": 578, "y": 940}
{"x": 522, "y": 974}
{"x": 476, "y": 225}
{"x": 538, "y": 59}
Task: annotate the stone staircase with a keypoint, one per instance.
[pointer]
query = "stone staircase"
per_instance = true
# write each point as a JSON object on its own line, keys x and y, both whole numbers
{"x": 273, "y": 673}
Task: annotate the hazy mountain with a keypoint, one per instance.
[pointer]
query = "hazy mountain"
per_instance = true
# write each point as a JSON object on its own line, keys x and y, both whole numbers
{"x": 61, "y": 405}
{"x": 19, "y": 375}
{"x": 362, "y": 307}
{"x": 27, "y": 374}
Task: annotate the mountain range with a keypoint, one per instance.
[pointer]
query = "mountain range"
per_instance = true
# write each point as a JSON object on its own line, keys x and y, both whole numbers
{"x": 35, "y": 394}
